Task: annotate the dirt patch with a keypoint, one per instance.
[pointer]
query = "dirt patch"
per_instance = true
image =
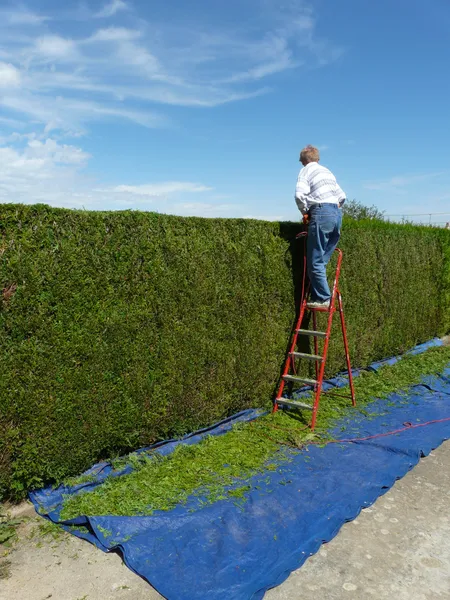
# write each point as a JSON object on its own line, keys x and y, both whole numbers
{"x": 45, "y": 562}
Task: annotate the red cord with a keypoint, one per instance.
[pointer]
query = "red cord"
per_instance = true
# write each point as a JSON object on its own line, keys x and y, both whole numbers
{"x": 379, "y": 435}
{"x": 303, "y": 234}
{"x": 304, "y": 273}
{"x": 408, "y": 426}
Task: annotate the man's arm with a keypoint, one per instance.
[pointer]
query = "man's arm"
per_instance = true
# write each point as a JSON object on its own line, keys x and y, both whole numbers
{"x": 301, "y": 192}
{"x": 340, "y": 195}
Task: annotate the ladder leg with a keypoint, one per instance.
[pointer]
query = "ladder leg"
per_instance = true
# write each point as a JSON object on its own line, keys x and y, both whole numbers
{"x": 316, "y": 344}
{"x": 347, "y": 353}
{"x": 323, "y": 363}
{"x": 289, "y": 359}
{"x": 320, "y": 370}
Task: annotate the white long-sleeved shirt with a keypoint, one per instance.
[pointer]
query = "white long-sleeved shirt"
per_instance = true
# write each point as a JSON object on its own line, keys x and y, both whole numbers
{"x": 317, "y": 184}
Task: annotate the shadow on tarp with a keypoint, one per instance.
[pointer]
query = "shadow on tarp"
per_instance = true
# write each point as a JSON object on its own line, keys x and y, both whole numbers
{"x": 238, "y": 550}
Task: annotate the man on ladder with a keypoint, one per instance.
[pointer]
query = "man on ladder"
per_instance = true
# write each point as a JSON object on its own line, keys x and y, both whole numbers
{"x": 319, "y": 198}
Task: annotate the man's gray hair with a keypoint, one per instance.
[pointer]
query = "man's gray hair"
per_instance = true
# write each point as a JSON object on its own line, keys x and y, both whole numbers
{"x": 309, "y": 154}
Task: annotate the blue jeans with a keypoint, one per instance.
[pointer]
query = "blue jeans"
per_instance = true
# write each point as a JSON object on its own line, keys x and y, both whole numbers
{"x": 323, "y": 235}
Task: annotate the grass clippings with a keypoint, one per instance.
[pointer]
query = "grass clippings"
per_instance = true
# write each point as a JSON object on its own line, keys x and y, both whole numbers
{"x": 209, "y": 469}
{"x": 8, "y": 530}
{"x": 5, "y": 569}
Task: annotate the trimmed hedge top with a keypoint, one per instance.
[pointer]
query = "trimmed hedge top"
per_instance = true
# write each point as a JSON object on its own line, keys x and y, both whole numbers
{"x": 121, "y": 328}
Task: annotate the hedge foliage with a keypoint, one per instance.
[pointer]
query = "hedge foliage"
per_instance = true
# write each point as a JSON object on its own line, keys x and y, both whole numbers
{"x": 121, "y": 328}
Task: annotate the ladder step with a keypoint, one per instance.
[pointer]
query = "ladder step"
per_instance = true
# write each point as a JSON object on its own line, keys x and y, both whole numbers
{"x": 300, "y": 379}
{"x": 303, "y": 355}
{"x": 294, "y": 403}
{"x": 313, "y": 333}
{"x": 320, "y": 308}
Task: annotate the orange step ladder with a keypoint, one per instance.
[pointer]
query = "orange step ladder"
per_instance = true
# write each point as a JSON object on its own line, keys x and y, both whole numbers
{"x": 320, "y": 358}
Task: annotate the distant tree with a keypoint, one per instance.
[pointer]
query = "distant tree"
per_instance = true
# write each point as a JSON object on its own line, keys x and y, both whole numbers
{"x": 358, "y": 211}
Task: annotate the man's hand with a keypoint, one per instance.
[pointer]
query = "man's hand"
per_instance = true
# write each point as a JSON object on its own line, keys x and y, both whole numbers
{"x": 306, "y": 219}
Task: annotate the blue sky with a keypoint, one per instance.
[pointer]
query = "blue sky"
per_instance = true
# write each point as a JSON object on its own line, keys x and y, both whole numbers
{"x": 201, "y": 107}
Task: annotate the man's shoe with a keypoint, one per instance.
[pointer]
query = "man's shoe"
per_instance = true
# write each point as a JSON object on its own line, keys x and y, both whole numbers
{"x": 323, "y": 305}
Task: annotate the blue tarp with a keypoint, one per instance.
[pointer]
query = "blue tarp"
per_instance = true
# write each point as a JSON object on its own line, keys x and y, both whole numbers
{"x": 238, "y": 551}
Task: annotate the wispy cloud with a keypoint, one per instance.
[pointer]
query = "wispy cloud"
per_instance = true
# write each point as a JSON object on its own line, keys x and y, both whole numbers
{"x": 21, "y": 16}
{"x": 56, "y": 80}
{"x": 109, "y": 10}
{"x": 145, "y": 62}
{"x": 11, "y": 123}
{"x": 71, "y": 115}
{"x": 282, "y": 61}
{"x": 201, "y": 209}
{"x": 268, "y": 217}
{"x": 399, "y": 182}
{"x": 114, "y": 34}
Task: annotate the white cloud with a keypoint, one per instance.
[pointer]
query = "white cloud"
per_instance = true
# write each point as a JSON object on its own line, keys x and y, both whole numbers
{"x": 162, "y": 189}
{"x": 53, "y": 173}
{"x": 56, "y": 47}
{"x": 44, "y": 170}
{"x": 57, "y": 153}
{"x": 40, "y": 172}
{"x": 109, "y": 10}
{"x": 50, "y": 172}
{"x": 9, "y": 76}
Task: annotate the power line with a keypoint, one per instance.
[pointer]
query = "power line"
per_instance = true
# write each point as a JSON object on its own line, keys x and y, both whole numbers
{"x": 417, "y": 214}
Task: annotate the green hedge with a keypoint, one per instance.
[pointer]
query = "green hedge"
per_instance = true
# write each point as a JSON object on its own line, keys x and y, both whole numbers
{"x": 121, "y": 328}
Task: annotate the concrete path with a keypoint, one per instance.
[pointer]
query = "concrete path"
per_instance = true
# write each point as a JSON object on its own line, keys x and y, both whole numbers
{"x": 397, "y": 549}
